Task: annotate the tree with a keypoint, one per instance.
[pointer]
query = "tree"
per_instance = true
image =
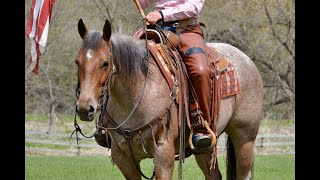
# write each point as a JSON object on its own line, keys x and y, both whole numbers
{"x": 265, "y": 31}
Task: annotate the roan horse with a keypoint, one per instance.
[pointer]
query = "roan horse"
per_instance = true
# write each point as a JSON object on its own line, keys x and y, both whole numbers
{"x": 138, "y": 93}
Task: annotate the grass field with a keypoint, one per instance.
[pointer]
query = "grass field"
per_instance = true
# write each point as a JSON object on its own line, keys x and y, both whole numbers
{"x": 40, "y": 167}
{"x": 266, "y": 167}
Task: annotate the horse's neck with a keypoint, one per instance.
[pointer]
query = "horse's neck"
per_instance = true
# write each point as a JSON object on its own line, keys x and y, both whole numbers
{"x": 125, "y": 97}
{"x": 125, "y": 92}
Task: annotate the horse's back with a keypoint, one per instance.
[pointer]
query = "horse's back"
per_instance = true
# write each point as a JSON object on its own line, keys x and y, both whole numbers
{"x": 243, "y": 64}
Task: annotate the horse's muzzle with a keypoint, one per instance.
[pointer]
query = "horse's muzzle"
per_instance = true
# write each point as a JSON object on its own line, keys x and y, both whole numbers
{"x": 86, "y": 113}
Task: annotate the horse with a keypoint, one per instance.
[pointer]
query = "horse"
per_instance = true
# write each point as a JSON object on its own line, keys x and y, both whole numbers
{"x": 144, "y": 114}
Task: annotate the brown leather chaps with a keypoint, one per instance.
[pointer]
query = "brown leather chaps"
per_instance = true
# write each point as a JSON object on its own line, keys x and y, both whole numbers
{"x": 192, "y": 49}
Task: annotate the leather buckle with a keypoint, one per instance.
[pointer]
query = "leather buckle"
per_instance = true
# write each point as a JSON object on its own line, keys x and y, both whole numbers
{"x": 127, "y": 133}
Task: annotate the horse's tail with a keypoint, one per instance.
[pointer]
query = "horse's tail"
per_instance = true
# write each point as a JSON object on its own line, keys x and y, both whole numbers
{"x": 231, "y": 160}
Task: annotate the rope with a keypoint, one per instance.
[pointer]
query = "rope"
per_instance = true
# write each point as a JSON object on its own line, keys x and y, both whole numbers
{"x": 78, "y": 129}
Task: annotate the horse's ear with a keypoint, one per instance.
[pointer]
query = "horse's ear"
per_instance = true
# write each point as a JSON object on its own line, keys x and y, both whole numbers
{"x": 106, "y": 31}
{"x": 82, "y": 28}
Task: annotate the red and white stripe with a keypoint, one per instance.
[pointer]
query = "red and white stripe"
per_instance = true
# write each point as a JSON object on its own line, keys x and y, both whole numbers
{"x": 37, "y": 29}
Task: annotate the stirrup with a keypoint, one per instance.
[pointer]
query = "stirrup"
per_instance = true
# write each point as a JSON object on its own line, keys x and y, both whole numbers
{"x": 201, "y": 125}
{"x": 210, "y": 133}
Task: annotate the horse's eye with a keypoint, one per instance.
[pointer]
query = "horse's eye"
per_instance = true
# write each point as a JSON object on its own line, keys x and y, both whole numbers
{"x": 105, "y": 64}
{"x": 77, "y": 62}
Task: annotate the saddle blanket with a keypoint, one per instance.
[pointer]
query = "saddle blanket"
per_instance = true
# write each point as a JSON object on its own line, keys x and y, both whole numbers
{"x": 229, "y": 82}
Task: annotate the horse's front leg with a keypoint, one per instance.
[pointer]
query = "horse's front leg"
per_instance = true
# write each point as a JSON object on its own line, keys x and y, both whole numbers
{"x": 204, "y": 162}
{"x": 164, "y": 160}
{"x": 124, "y": 163}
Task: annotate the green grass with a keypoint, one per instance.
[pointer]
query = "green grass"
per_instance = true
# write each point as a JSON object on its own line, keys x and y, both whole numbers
{"x": 266, "y": 167}
{"x": 50, "y": 146}
{"x": 275, "y": 167}
{"x": 34, "y": 117}
{"x": 284, "y": 123}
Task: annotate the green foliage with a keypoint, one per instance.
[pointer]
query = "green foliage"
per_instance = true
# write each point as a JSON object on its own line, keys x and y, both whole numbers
{"x": 100, "y": 167}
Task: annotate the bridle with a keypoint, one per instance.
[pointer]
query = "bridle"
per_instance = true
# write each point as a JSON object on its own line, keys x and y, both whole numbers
{"x": 100, "y": 103}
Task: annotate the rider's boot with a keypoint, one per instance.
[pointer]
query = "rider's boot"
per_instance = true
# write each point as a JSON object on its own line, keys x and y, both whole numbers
{"x": 201, "y": 137}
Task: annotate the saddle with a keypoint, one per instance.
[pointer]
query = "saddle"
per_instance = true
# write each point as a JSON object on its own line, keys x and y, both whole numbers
{"x": 165, "y": 54}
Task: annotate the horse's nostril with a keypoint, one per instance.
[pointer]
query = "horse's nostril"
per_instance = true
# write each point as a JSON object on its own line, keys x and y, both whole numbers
{"x": 91, "y": 109}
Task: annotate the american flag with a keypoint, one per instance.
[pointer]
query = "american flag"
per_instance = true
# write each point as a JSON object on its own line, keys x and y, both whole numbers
{"x": 37, "y": 29}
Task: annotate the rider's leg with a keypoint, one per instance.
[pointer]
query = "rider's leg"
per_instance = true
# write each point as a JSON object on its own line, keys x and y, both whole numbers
{"x": 193, "y": 52}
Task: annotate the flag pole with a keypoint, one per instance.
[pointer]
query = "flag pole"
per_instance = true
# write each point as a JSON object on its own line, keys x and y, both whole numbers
{"x": 141, "y": 11}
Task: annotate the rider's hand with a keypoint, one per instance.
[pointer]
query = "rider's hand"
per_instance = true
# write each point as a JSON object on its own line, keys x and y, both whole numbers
{"x": 153, "y": 17}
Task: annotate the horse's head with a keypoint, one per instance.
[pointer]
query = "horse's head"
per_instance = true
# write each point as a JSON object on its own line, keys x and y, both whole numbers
{"x": 94, "y": 66}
